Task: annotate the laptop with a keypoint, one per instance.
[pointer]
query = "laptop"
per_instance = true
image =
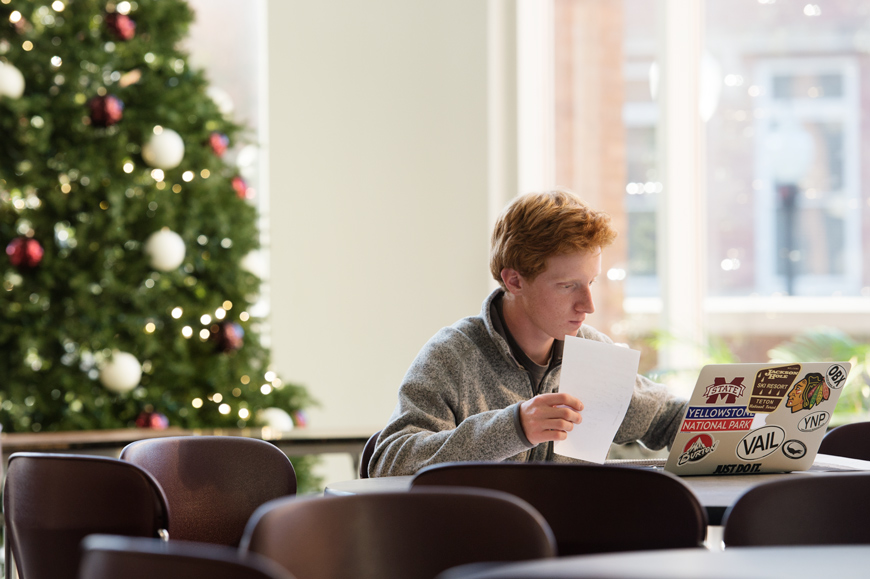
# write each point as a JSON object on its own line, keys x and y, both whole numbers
{"x": 756, "y": 418}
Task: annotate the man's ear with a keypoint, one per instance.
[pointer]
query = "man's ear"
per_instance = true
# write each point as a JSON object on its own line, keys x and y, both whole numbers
{"x": 512, "y": 280}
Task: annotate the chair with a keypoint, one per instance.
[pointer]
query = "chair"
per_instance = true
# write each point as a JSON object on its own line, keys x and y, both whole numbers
{"x": 114, "y": 557}
{"x": 591, "y": 508}
{"x": 849, "y": 440}
{"x": 402, "y": 535}
{"x": 817, "y": 509}
{"x": 213, "y": 483}
{"x": 52, "y": 501}
{"x": 366, "y": 456}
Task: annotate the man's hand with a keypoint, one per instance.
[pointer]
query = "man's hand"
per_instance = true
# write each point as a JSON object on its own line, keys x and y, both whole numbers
{"x": 550, "y": 416}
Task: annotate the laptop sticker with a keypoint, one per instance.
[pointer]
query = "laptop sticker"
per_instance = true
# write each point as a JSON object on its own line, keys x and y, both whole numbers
{"x": 760, "y": 443}
{"x": 697, "y": 449}
{"x": 737, "y": 468}
{"x": 808, "y": 393}
{"x": 722, "y": 391}
{"x": 770, "y": 387}
{"x": 716, "y": 419}
{"x": 835, "y": 377}
{"x": 794, "y": 449}
{"x": 814, "y": 421}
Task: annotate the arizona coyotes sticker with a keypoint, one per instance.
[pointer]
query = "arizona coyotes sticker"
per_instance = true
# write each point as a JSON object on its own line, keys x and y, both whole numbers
{"x": 726, "y": 392}
{"x": 716, "y": 419}
{"x": 808, "y": 393}
{"x": 697, "y": 449}
{"x": 770, "y": 387}
{"x": 794, "y": 449}
{"x": 761, "y": 442}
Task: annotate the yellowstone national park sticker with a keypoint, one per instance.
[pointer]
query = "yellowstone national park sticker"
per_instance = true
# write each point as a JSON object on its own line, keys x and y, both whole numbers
{"x": 771, "y": 385}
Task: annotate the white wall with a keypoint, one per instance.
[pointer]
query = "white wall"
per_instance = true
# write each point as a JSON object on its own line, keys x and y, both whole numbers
{"x": 378, "y": 190}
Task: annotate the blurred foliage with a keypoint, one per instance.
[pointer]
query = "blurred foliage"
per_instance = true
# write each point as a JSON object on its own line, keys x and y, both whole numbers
{"x": 821, "y": 344}
{"x": 833, "y": 345}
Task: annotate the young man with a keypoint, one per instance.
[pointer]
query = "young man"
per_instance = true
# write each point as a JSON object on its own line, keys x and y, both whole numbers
{"x": 486, "y": 388}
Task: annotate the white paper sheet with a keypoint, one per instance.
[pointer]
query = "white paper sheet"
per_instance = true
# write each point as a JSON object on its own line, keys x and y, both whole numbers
{"x": 602, "y": 376}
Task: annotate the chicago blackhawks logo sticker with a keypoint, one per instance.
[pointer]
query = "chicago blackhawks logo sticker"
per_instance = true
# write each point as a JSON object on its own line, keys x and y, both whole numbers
{"x": 808, "y": 393}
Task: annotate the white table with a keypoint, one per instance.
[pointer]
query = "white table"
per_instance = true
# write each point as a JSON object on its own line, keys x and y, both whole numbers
{"x": 840, "y": 561}
{"x": 716, "y": 493}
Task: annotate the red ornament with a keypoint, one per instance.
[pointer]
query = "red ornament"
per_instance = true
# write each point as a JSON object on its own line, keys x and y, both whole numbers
{"x": 121, "y": 25}
{"x": 300, "y": 419}
{"x": 219, "y": 143}
{"x": 105, "y": 110}
{"x": 242, "y": 189}
{"x": 24, "y": 252}
{"x": 153, "y": 420}
{"x": 229, "y": 337}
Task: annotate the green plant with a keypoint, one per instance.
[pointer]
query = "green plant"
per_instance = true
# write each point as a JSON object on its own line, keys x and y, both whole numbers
{"x": 832, "y": 345}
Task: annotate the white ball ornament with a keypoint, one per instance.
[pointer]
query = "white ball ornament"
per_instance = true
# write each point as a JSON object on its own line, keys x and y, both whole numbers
{"x": 164, "y": 150}
{"x": 276, "y": 419}
{"x": 11, "y": 81}
{"x": 121, "y": 373}
{"x": 165, "y": 250}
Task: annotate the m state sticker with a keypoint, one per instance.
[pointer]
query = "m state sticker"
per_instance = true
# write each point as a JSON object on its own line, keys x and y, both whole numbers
{"x": 717, "y": 419}
{"x": 770, "y": 387}
{"x": 697, "y": 449}
{"x": 722, "y": 391}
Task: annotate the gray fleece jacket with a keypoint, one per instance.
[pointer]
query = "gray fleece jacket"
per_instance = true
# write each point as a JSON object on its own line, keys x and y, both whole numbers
{"x": 459, "y": 401}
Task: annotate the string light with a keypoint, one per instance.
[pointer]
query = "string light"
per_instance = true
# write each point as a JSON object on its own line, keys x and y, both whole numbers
{"x": 196, "y": 402}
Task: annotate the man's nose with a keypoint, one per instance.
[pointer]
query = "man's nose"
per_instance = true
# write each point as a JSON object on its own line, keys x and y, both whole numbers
{"x": 584, "y": 304}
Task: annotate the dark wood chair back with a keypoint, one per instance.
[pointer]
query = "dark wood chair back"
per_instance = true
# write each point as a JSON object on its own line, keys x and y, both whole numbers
{"x": 366, "y": 456}
{"x": 591, "y": 508}
{"x": 812, "y": 509}
{"x": 115, "y": 557}
{"x": 403, "y": 535}
{"x": 52, "y": 501}
{"x": 213, "y": 483}
{"x": 848, "y": 440}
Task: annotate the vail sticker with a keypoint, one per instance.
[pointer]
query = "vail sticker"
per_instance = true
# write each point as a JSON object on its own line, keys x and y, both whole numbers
{"x": 760, "y": 443}
{"x": 835, "y": 377}
{"x": 814, "y": 421}
{"x": 808, "y": 393}
{"x": 697, "y": 449}
{"x": 770, "y": 387}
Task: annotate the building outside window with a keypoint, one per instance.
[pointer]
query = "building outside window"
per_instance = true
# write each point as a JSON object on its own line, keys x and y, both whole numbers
{"x": 783, "y": 95}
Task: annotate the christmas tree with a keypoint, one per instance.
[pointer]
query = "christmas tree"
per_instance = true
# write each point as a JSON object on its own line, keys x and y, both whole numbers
{"x": 124, "y": 298}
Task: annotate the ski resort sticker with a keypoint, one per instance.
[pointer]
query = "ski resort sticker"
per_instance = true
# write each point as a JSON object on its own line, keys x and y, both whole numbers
{"x": 770, "y": 387}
